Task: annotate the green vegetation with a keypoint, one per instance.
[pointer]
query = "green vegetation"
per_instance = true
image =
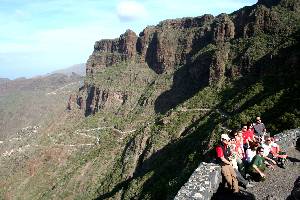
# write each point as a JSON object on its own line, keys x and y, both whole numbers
{"x": 143, "y": 153}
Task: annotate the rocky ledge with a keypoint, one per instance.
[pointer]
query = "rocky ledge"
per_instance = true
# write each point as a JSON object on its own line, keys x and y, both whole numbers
{"x": 203, "y": 183}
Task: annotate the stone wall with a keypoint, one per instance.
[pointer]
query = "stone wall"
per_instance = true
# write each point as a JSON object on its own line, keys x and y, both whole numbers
{"x": 204, "y": 182}
{"x": 288, "y": 138}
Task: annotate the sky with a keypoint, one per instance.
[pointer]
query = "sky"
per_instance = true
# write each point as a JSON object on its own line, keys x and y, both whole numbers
{"x": 40, "y": 36}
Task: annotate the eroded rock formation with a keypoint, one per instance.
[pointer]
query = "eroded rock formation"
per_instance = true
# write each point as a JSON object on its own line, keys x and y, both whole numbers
{"x": 109, "y": 52}
{"x": 103, "y": 98}
{"x": 202, "y": 45}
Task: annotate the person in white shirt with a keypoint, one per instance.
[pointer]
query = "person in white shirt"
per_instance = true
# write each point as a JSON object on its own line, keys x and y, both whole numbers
{"x": 251, "y": 152}
{"x": 267, "y": 145}
{"x": 278, "y": 155}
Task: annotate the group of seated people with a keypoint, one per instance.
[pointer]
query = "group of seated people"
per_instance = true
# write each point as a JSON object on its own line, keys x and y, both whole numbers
{"x": 245, "y": 154}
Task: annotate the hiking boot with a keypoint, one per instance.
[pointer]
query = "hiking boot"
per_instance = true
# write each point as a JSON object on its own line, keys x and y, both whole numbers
{"x": 249, "y": 185}
{"x": 252, "y": 182}
{"x": 281, "y": 165}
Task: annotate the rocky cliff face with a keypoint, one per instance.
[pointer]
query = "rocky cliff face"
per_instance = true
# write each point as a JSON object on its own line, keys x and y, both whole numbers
{"x": 201, "y": 45}
{"x": 162, "y": 47}
{"x": 98, "y": 98}
{"x": 109, "y": 52}
{"x": 157, "y": 103}
{"x": 170, "y": 43}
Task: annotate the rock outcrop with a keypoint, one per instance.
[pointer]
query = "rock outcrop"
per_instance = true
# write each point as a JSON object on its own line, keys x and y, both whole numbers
{"x": 99, "y": 98}
{"x": 109, "y": 52}
{"x": 223, "y": 28}
{"x": 170, "y": 43}
{"x": 203, "y": 46}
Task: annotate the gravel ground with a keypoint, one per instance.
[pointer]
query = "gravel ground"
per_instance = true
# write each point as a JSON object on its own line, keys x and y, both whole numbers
{"x": 280, "y": 182}
{"x": 277, "y": 186}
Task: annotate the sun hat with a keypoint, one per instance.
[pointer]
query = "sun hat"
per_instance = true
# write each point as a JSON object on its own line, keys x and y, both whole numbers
{"x": 225, "y": 137}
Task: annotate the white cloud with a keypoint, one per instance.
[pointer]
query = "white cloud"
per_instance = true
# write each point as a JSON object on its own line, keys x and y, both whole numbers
{"x": 128, "y": 10}
{"x": 20, "y": 13}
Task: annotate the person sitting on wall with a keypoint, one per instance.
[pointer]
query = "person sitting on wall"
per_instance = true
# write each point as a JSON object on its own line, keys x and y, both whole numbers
{"x": 259, "y": 129}
{"x": 237, "y": 141}
{"x": 250, "y": 129}
{"x": 248, "y": 137}
{"x": 267, "y": 145}
{"x": 233, "y": 159}
{"x": 251, "y": 152}
{"x": 223, "y": 154}
{"x": 277, "y": 155}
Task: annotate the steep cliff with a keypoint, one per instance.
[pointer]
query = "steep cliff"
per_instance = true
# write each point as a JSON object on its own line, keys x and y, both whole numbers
{"x": 202, "y": 51}
{"x": 237, "y": 64}
{"x": 152, "y": 105}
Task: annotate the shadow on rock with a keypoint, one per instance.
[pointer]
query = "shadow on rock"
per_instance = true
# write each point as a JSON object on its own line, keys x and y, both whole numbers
{"x": 295, "y": 194}
{"x": 170, "y": 166}
{"x": 187, "y": 81}
{"x": 293, "y": 160}
{"x": 225, "y": 194}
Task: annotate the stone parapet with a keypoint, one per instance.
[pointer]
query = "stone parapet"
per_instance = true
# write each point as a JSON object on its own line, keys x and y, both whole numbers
{"x": 288, "y": 138}
{"x": 202, "y": 184}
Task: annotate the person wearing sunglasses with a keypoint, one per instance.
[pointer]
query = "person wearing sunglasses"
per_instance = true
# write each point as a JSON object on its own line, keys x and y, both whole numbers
{"x": 267, "y": 145}
{"x": 259, "y": 129}
{"x": 237, "y": 140}
{"x": 248, "y": 137}
{"x": 258, "y": 166}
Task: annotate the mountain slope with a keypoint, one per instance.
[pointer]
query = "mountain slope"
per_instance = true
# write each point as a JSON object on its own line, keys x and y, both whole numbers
{"x": 31, "y": 102}
{"x": 153, "y": 105}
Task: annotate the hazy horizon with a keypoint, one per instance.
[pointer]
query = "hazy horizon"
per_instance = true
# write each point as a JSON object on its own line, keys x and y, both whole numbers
{"x": 48, "y": 73}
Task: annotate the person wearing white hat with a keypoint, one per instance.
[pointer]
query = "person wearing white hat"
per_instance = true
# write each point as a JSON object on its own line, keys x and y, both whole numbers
{"x": 227, "y": 170}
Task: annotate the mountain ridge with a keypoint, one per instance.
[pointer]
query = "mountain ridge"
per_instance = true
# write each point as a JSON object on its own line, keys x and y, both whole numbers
{"x": 152, "y": 106}
{"x": 25, "y": 102}
{"x": 155, "y": 48}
